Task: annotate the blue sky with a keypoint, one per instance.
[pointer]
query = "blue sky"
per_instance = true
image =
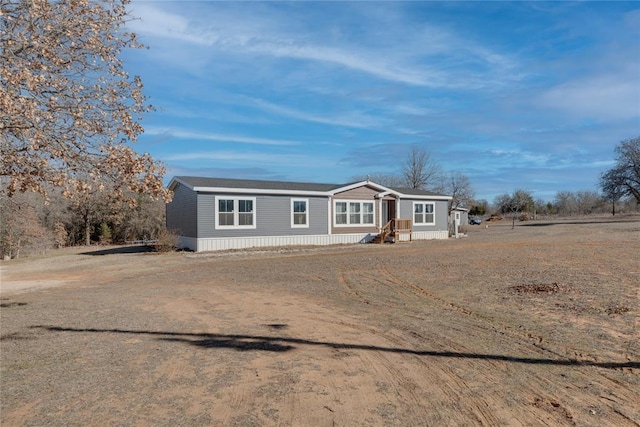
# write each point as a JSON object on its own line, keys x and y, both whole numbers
{"x": 512, "y": 94}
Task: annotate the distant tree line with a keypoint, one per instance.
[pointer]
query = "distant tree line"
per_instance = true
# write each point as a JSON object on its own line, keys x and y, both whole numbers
{"x": 31, "y": 226}
{"x": 620, "y": 188}
{"x": 520, "y": 204}
{"x": 620, "y": 193}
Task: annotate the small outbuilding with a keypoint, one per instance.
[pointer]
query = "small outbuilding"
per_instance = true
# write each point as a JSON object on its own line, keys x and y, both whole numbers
{"x": 218, "y": 213}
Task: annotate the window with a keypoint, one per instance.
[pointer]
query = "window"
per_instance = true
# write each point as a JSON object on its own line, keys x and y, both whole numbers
{"x": 235, "y": 212}
{"x": 367, "y": 213}
{"x": 225, "y": 212}
{"x": 341, "y": 213}
{"x": 353, "y": 213}
{"x": 299, "y": 213}
{"x": 245, "y": 212}
{"x": 424, "y": 213}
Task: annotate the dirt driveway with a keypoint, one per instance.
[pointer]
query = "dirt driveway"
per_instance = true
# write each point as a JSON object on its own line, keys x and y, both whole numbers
{"x": 534, "y": 326}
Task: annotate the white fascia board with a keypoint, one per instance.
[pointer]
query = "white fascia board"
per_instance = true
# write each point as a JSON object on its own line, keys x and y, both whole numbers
{"x": 361, "y": 184}
{"x": 175, "y": 181}
{"x": 387, "y": 193}
{"x": 424, "y": 197}
{"x": 226, "y": 190}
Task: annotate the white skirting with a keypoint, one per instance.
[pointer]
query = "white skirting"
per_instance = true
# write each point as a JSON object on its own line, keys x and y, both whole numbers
{"x": 224, "y": 243}
{"x": 426, "y": 235}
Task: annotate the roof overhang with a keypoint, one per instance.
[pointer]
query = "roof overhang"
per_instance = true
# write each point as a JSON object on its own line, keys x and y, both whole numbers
{"x": 383, "y": 191}
{"x": 348, "y": 187}
{"x": 259, "y": 191}
{"x": 425, "y": 197}
{"x": 175, "y": 181}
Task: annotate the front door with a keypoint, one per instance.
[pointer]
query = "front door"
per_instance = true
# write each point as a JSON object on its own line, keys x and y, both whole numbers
{"x": 388, "y": 210}
{"x": 385, "y": 212}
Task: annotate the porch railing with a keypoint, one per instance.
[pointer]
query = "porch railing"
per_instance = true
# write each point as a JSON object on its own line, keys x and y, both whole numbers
{"x": 396, "y": 227}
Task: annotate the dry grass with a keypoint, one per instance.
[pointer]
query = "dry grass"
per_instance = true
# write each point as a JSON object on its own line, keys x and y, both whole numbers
{"x": 533, "y": 326}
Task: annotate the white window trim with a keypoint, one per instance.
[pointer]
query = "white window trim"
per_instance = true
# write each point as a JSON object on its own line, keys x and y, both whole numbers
{"x": 293, "y": 224}
{"x": 424, "y": 213}
{"x": 361, "y": 202}
{"x": 236, "y": 213}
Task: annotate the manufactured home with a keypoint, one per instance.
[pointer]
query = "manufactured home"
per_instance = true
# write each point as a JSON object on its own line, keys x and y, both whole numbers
{"x": 216, "y": 213}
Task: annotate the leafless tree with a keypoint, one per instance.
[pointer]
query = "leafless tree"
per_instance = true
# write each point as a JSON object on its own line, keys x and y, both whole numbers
{"x": 382, "y": 178}
{"x": 21, "y": 227}
{"x": 566, "y": 203}
{"x": 624, "y": 178}
{"x": 519, "y": 203}
{"x": 420, "y": 169}
{"x": 458, "y": 186}
{"x": 68, "y": 109}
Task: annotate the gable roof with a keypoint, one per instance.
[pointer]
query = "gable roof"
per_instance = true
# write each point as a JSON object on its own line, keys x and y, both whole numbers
{"x": 286, "y": 187}
{"x": 415, "y": 192}
{"x": 201, "y": 182}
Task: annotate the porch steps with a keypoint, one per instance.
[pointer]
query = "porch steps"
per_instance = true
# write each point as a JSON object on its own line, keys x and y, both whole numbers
{"x": 392, "y": 231}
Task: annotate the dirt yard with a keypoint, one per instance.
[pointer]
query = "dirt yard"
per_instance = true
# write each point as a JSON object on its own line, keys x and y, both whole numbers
{"x": 533, "y": 326}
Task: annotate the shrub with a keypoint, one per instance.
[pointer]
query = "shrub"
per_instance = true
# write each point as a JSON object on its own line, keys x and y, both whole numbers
{"x": 104, "y": 234}
{"x": 166, "y": 241}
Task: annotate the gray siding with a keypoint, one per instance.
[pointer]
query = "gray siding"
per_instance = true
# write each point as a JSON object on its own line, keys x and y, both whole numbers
{"x": 360, "y": 193}
{"x": 441, "y": 210}
{"x": 181, "y": 212}
{"x": 273, "y": 216}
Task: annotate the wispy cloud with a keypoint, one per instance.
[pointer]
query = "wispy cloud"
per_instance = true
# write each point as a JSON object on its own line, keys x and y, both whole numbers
{"x": 328, "y": 90}
{"x": 209, "y": 136}
{"x": 410, "y": 61}
{"x": 601, "y": 97}
{"x": 247, "y": 158}
{"x": 349, "y": 118}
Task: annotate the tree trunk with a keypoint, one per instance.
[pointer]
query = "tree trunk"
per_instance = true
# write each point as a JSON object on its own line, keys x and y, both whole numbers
{"x": 87, "y": 231}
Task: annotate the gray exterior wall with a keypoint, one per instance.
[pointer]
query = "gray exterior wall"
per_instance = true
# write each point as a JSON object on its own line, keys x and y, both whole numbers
{"x": 360, "y": 193}
{"x": 192, "y": 214}
{"x": 272, "y": 216}
{"x": 441, "y": 210}
{"x": 181, "y": 212}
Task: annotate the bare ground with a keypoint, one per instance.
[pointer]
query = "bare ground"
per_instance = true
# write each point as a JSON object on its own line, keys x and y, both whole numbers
{"x": 533, "y": 326}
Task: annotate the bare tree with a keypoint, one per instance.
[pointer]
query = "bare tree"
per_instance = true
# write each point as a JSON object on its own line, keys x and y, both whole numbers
{"x": 624, "y": 178}
{"x": 145, "y": 221}
{"x": 458, "y": 186}
{"x": 590, "y": 202}
{"x": 21, "y": 227}
{"x": 386, "y": 179}
{"x": 566, "y": 203}
{"x": 420, "y": 169}
{"x": 520, "y": 202}
{"x": 68, "y": 109}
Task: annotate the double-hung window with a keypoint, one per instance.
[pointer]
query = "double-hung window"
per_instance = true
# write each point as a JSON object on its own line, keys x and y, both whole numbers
{"x": 424, "y": 213}
{"x": 300, "y": 213}
{"x": 341, "y": 213}
{"x": 235, "y": 212}
{"x": 353, "y": 213}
